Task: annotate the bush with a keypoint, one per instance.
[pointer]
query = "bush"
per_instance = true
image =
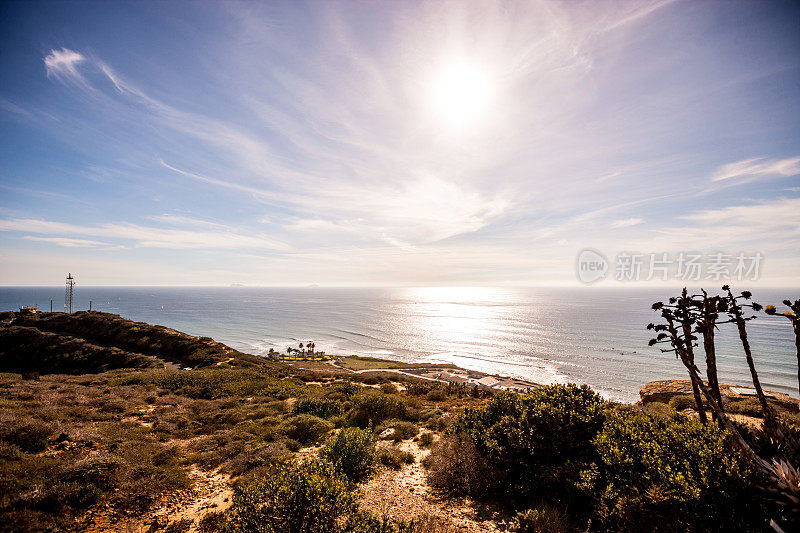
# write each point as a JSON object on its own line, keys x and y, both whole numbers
{"x": 321, "y": 407}
{"x": 306, "y": 429}
{"x": 31, "y": 435}
{"x": 100, "y": 471}
{"x": 394, "y": 457}
{"x": 545, "y": 519}
{"x": 437, "y": 395}
{"x": 540, "y": 442}
{"x": 352, "y": 452}
{"x": 426, "y": 439}
{"x": 389, "y": 388}
{"x": 455, "y": 466}
{"x": 346, "y": 388}
{"x": 376, "y": 407}
{"x": 307, "y": 498}
{"x": 213, "y": 522}
{"x": 672, "y": 474}
{"x": 746, "y": 407}
{"x": 404, "y": 430}
{"x": 683, "y": 402}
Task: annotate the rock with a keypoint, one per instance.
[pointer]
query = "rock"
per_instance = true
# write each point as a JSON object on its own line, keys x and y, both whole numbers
{"x": 663, "y": 391}
{"x": 386, "y": 434}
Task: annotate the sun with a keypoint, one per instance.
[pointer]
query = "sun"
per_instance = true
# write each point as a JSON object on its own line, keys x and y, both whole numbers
{"x": 461, "y": 93}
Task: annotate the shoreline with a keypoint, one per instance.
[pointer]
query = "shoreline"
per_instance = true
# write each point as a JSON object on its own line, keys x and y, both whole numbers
{"x": 440, "y": 372}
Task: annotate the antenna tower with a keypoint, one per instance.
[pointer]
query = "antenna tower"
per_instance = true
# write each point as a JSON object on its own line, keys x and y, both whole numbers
{"x": 68, "y": 294}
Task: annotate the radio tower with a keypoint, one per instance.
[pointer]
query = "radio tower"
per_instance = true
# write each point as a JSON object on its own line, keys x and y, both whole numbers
{"x": 68, "y": 294}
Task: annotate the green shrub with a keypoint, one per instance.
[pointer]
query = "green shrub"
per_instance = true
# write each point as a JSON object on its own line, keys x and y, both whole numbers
{"x": 747, "y": 407}
{"x": 213, "y": 522}
{"x": 179, "y": 526}
{"x": 346, "y": 388}
{"x": 426, "y": 439}
{"x": 29, "y": 434}
{"x": 672, "y": 474}
{"x": 455, "y": 466}
{"x": 101, "y": 471}
{"x": 540, "y": 441}
{"x": 306, "y": 429}
{"x": 376, "y": 407}
{"x": 311, "y": 497}
{"x": 658, "y": 408}
{"x": 437, "y": 395}
{"x": 323, "y": 408}
{"x": 394, "y": 457}
{"x": 404, "y": 430}
{"x": 352, "y": 452}
{"x": 389, "y": 388}
{"x": 683, "y": 402}
{"x": 544, "y": 519}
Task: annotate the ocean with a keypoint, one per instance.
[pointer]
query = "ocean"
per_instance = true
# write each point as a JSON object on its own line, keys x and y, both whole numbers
{"x": 588, "y": 335}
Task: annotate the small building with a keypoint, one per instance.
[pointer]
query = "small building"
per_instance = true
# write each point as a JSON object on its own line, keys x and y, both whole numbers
{"x": 488, "y": 381}
{"x": 454, "y": 378}
{"x": 25, "y": 310}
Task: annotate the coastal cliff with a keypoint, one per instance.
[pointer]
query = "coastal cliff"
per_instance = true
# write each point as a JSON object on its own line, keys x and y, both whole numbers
{"x": 91, "y": 341}
{"x": 664, "y": 391}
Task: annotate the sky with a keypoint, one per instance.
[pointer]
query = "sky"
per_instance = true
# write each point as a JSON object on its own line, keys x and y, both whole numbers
{"x": 394, "y": 143}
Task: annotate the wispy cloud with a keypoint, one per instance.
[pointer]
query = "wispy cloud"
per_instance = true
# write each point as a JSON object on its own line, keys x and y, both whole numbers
{"x": 67, "y": 242}
{"x": 249, "y": 139}
{"x": 758, "y": 166}
{"x": 784, "y": 213}
{"x": 182, "y": 220}
{"x": 63, "y": 65}
{"x": 149, "y": 236}
{"x": 627, "y": 222}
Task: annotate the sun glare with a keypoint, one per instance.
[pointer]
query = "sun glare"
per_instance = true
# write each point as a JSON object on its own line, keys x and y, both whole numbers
{"x": 461, "y": 93}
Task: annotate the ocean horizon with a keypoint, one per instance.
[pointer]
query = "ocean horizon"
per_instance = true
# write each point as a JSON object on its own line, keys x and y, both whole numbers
{"x": 593, "y": 336}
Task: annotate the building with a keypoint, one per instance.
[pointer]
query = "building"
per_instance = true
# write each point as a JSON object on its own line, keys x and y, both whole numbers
{"x": 488, "y": 382}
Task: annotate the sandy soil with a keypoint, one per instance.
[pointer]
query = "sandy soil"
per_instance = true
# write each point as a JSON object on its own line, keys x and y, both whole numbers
{"x": 211, "y": 491}
{"x": 405, "y": 494}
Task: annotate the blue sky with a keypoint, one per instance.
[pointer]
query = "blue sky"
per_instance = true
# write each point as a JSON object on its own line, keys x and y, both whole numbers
{"x": 384, "y": 143}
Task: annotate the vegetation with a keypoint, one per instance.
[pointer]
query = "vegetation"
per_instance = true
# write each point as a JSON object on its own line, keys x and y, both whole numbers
{"x": 536, "y": 444}
{"x": 777, "y": 462}
{"x": 105, "y": 329}
{"x": 24, "y": 349}
{"x": 672, "y": 474}
{"x": 310, "y": 497}
{"x": 561, "y": 455}
{"x": 352, "y": 452}
{"x": 116, "y": 431}
{"x": 321, "y": 407}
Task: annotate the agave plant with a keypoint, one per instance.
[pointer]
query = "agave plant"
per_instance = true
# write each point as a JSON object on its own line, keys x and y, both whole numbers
{"x": 794, "y": 317}
{"x": 781, "y": 473}
{"x": 736, "y": 308}
{"x": 707, "y": 311}
{"x": 678, "y": 314}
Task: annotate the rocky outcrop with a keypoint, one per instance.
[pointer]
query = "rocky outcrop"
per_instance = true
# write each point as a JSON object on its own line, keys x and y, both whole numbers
{"x": 663, "y": 391}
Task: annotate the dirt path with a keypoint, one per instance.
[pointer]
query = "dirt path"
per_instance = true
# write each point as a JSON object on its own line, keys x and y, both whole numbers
{"x": 405, "y": 494}
{"x": 210, "y": 492}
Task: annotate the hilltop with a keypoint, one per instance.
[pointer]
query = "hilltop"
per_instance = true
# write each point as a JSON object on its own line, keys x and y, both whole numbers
{"x": 91, "y": 341}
